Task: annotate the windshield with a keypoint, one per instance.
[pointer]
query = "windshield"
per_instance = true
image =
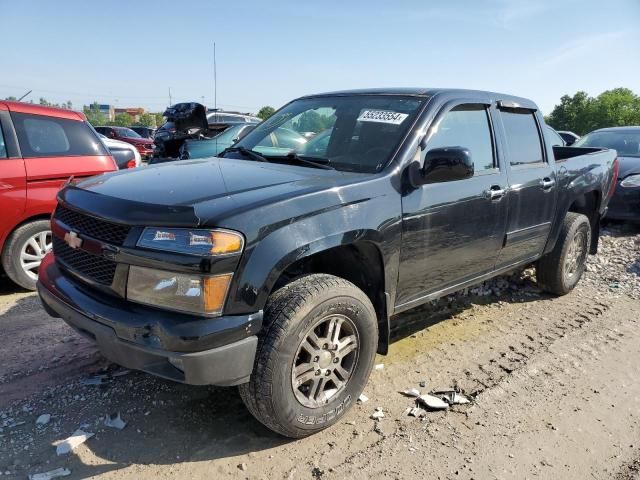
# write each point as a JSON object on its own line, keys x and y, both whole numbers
{"x": 357, "y": 133}
{"x": 627, "y": 143}
{"x": 127, "y": 132}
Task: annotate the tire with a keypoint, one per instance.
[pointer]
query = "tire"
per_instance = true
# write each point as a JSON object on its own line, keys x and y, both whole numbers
{"x": 304, "y": 312}
{"x": 559, "y": 271}
{"x": 19, "y": 253}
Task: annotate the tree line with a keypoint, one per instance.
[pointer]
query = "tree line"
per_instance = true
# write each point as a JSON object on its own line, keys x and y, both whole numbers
{"x": 579, "y": 113}
{"x": 95, "y": 117}
{"x": 582, "y": 114}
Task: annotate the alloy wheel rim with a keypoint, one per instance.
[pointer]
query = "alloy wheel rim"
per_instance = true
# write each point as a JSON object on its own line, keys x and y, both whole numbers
{"x": 575, "y": 254}
{"x": 325, "y": 360}
{"x": 33, "y": 251}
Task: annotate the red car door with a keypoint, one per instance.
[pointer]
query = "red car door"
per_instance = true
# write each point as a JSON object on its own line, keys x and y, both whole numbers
{"x": 13, "y": 185}
{"x": 55, "y": 148}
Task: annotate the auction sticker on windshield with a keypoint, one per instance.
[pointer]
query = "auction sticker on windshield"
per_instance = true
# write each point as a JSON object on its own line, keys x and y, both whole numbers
{"x": 382, "y": 116}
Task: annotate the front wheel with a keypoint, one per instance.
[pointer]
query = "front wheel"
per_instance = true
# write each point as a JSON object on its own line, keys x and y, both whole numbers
{"x": 24, "y": 251}
{"x": 314, "y": 356}
{"x": 560, "y": 270}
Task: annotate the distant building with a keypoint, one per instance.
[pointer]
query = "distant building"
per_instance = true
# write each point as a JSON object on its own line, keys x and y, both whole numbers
{"x": 135, "y": 112}
{"x": 105, "y": 109}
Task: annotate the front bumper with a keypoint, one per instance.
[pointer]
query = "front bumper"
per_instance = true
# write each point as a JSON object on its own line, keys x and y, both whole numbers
{"x": 625, "y": 204}
{"x": 209, "y": 351}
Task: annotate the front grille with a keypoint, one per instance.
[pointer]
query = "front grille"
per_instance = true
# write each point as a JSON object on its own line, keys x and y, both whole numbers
{"x": 108, "y": 232}
{"x": 95, "y": 268}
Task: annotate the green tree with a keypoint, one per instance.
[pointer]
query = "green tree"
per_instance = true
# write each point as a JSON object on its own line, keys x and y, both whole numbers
{"x": 312, "y": 121}
{"x": 11, "y": 97}
{"x": 147, "y": 120}
{"x": 122, "y": 120}
{"x": 265, "y": 112}
{"x": 159, "y": 119}
{"x": 583, "y": 114}
{"x": 94, "y": 116}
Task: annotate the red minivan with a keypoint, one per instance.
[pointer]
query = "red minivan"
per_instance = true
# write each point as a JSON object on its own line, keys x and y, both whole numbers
{"x": 40, "y": 148}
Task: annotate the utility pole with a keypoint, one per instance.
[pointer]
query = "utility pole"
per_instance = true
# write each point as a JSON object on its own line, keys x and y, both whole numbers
{"x": 169, "y": 96}
{"x": 215, "y": 83}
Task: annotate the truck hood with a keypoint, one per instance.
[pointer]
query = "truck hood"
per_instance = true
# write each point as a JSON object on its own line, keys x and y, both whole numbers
{"x": 188, "y": 193}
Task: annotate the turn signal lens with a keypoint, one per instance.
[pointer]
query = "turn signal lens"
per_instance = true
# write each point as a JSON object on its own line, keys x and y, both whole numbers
{"x": 215, "y": 292}
{"x": 225, "y": 242}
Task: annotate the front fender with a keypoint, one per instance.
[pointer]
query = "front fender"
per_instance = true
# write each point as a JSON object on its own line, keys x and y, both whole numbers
{"x": 265, "y": 260}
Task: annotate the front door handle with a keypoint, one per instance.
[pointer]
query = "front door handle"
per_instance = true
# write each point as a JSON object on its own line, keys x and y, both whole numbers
{"x": 546, "y": 183}
{"x": 496, "y": 192}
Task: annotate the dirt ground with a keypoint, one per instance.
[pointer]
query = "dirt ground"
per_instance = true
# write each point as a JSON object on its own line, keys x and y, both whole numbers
{"x": 553, "y": 382}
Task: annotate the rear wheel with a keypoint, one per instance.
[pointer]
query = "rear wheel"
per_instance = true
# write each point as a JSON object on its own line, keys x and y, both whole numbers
{"x": 314, "y": 357}
{"x": 560, "y": 270}
{"x": 24, "y": 251}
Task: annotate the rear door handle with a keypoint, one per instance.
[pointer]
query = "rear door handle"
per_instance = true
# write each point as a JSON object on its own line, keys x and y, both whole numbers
{"x": 546, "y": 183}
{"x": 496, "y": 192}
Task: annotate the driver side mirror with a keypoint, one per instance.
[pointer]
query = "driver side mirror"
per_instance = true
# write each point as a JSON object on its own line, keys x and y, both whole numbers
{"x": 443, "y": 165}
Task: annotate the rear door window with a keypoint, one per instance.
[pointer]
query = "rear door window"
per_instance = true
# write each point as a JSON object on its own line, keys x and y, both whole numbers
{"x": 3, "y": 145}
{"x": 523, "y": 137}
{"x": 42, "y": 136}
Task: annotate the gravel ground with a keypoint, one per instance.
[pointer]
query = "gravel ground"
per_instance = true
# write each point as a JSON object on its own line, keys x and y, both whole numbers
{"x": 553, "y": 384}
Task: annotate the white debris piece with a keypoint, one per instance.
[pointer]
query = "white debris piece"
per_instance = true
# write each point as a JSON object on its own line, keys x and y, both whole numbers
{"x": 452, "y": 397}
{"x": 68, "y": 445}
{"x": 460, "y": 399}
{"x": 411, "y": 392}
{"x": 434, "y": 403}
{"x": 58, "y": 472}
{"x": 43, "y": 419}
{"x": 363, "y": 398}
{"x": 379, "y": 366}
{"x": 114, "y": 421}
{"x": 417, "y": 412}
{"x": 378, "y": 414}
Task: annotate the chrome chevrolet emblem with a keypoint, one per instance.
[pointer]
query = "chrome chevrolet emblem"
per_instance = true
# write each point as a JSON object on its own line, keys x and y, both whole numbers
{"x": 72, "y": 239}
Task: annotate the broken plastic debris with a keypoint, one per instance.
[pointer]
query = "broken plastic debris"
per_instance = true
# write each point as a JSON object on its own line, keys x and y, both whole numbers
{"x": 379, "y": 366}
{"x": 363, "y": 398}
{"x": 114, "y": 421}
{"x": 378, "y": 414}
{"x": 411, "y": 392}
{"x": 452, "y": 397}
{"x": 68, "y": 445}
{"x": 97, "y": 380}
{"x": 417, "y": 412}
{"x": 58, "y": 472}
{"x": 43, "y": 419}
{"x": 434, "y": 403}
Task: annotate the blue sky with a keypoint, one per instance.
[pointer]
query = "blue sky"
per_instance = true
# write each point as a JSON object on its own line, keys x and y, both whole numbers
{"x": 129, "y": 53}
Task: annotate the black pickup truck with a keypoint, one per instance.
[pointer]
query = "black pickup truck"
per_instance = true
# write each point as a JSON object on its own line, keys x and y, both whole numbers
{"x": 281, "y": 269}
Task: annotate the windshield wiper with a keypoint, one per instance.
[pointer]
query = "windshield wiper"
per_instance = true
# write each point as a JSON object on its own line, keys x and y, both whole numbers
{"x": 244, "y": 151}
{"x": 317, "y": 162}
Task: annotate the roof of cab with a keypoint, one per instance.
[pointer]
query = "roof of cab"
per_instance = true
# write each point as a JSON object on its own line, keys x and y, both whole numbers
{"x": 430, "y": 92}
{"x": 23, "y": 107}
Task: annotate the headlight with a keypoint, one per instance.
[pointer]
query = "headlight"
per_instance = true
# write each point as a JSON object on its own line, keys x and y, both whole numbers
{"x": 631, "y": 181}
{"x": 195, "y": 242}
{"x": 185, "y": 292}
